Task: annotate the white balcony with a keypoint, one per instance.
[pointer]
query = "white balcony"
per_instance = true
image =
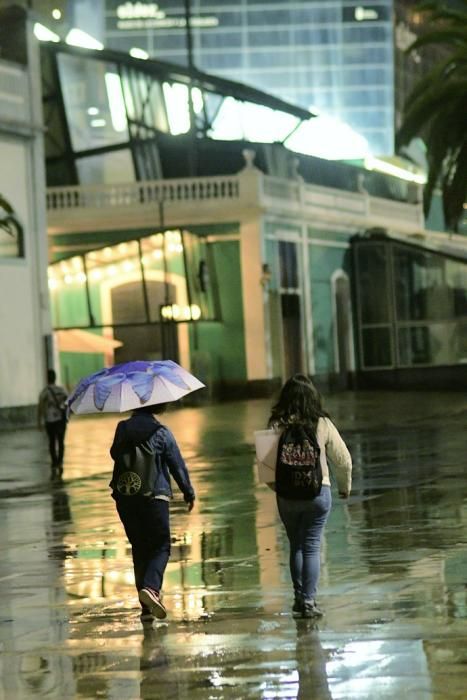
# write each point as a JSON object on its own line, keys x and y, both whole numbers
{"x": 181, "y": 202}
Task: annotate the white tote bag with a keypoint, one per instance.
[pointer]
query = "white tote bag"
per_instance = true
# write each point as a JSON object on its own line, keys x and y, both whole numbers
{"x": 266, "y": 443}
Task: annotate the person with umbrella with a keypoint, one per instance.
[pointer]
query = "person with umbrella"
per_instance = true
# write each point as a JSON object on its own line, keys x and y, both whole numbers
{"x": 146, "y": 456}
{"x": 146, "y": 517}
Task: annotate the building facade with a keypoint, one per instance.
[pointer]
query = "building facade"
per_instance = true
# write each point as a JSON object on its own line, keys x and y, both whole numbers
{"x": 342, "y": 58}
{"x": 24, "y": 307}
{"x": 250, "y": 278}
{"x": 238, "y": 258}
{"x": 334, "y": 57}
{"x": 245, "y": 273}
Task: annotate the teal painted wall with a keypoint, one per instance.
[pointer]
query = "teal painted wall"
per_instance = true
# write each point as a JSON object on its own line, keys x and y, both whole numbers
{"x": 69, "y": 307}
{"x": 218, "y": 348}
{"x": 323, "y": 262}
{"x": 75, "y": 365}
{"x": 435, "y": 219}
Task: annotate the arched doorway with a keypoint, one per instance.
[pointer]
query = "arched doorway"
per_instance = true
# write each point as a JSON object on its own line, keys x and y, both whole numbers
{"x": 146, "y": 342}
{"x": 122, "y": 302}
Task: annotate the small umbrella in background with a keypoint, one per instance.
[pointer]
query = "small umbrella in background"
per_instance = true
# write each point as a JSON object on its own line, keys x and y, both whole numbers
{"x": 132, "y": 385}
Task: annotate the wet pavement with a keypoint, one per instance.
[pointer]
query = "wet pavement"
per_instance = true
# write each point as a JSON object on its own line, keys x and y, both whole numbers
{"x": 393, "y": 582}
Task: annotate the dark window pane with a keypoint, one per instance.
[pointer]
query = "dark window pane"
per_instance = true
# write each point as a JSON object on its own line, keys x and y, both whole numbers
{"x": 288, "y": 265}
{"x": 414, "y": 346}
{"x": 423, "y": 290}
{"x": 373, "y": 283}
{"x": 94, "y": 102}
{"x": 377, "y": 351}
{"x": 440, "y": 343}
{"x": 291, "y": 332}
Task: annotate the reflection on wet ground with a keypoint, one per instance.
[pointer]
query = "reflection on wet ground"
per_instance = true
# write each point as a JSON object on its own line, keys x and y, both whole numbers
{"x": 393, "y": 584}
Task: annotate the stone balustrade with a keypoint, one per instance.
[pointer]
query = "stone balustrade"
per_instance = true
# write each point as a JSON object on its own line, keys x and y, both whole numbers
{"x": 220, "y": 198}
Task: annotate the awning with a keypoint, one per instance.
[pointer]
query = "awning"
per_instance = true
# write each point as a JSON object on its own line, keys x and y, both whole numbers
{"x": 76, "y": 340}
{"x": 451, "y": 246}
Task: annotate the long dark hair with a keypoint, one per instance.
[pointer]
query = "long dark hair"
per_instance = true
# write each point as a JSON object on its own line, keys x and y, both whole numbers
{"x": 299, "y": 402}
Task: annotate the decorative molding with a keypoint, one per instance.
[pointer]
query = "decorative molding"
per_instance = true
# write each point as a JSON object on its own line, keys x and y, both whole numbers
{"x": 11, "y": 226}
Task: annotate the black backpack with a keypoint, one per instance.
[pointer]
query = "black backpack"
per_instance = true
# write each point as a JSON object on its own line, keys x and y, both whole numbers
{"x": 298, "y": 467}
{"x": 135, "y": 471}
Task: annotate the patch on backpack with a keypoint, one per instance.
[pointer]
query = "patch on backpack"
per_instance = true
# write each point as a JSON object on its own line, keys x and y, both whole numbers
{"x": 298, "y": 467}
{"x": 129, "y": 483}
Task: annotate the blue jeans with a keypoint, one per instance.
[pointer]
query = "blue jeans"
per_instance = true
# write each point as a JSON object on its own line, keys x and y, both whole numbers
{"x": 304, "y": 522}
{"x": 146, "y": 523}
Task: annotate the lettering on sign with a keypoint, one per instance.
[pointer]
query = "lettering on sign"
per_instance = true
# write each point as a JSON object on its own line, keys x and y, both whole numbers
{"x": 140, "y": 15}
{"x": 139, "y": 10}
{"x": 363, "y": 14}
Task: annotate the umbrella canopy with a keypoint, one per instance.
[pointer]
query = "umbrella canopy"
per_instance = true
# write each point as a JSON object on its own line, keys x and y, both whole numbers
{"x": 77, "y": 340}
{"x": 132, "y": 385}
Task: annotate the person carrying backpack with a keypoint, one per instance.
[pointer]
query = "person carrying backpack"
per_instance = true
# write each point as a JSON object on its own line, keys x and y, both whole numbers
{"x": 51, "y": 412}
{"x": 145, "y": 456}
{"x": 302, "y": 485}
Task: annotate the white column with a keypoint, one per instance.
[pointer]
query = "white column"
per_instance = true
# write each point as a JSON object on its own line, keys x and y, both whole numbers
{"x": 37, "y": 239}
{"x": 251, "y": 261}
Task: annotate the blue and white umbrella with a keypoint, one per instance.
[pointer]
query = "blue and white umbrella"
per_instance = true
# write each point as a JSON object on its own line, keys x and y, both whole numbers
{"x": 132, "y": 385}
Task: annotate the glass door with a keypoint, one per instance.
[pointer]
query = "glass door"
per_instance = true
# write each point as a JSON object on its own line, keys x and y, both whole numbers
{"x": 290, "y": 309}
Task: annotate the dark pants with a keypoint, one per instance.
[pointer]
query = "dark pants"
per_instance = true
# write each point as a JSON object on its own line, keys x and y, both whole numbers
{"x": 146, "y": 523}
{"x": 56, "y": 434}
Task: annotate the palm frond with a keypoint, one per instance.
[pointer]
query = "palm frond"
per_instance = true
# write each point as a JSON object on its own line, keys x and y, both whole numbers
{"x": 424, "y": 109}
{"x": 448, "y": 36}
{"x": 442, "y": 123}
{"x": 454, "y": 187}
{"x": 444, "y": 70}
{"x": 436, "y": 156}
{"x": 447, "y": 14}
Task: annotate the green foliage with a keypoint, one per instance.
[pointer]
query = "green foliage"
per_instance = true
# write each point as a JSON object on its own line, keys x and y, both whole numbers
{"x": 437, "y": 109}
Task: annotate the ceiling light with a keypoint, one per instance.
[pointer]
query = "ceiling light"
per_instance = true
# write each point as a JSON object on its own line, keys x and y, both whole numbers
{"x": 76, "y": 37}
{"x": 139, "y": 53}
{"x": 383, "y": 166}
{"x": 44, "y": 34}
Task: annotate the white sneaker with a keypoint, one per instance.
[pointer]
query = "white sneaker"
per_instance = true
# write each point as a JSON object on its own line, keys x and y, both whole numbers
{"x": 151, "y": 599}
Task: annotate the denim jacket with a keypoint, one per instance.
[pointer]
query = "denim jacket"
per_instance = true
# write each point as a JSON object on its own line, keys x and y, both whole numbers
{"x": 168, "y": 460}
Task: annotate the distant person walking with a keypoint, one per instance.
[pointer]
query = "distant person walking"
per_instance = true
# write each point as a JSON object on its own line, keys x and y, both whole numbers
{"x": 51, "y": 413}
{"x": 303, "y": 485}
{"x": 146, "y": 455}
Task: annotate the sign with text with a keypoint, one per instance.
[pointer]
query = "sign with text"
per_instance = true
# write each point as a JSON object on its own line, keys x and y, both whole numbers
{"x": 131, "y": 16}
